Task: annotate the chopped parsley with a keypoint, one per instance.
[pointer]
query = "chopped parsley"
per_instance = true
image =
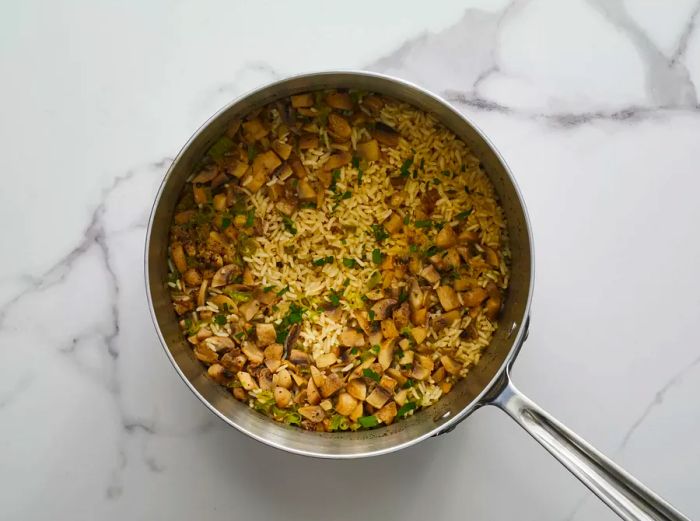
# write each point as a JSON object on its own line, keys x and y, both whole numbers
{"x": 403, "y": 296}
{"x": 424, "y": 224}
{"x": 252, "y": 153}
{"x": 371, "y": 315}
{"x": 354, "y": 351}
{"x": 436, "y": 181}
{"x": 463, "y": 215}
{"x": 293, "y": 316}
{"x": 289, "y": 225}
{"x": 250, "y": 219}
{"x": 404, "y": 168}
{"x": 283, "y": 291}
{"x": 349, "y": 263}
{"x": 375, "y": 349}
{"x": 377, "y": 256}
{"x": 335, "y": 178}
{"x": 355, "y": 162}
{"x": 220, "y": 319}
{"x": 422, "y": 164}
{"x": 405, "y": 409}
{"x": 408, "y": 384}
{"x": 371, "y": 374}
{"x": 225, "y": 223}
{"x": 368, "y": 421}
{"x": 379, "y": 232}
{"x": 406, "y": 219}
{"x": 432, "y": 250}
{"x": 219, "y": 149}
{"x": 334, "y": 298}
{"x": 267, "y": 289}
{"x": 323, "y": 261}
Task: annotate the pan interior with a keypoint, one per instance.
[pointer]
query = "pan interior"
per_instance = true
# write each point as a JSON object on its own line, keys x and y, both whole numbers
{"x": 466, "y": 395}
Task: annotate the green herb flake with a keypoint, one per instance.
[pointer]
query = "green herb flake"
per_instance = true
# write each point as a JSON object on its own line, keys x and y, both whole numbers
{"x": 403, "y": 296}
{"x": 225, "y": 223}
{"x": 354, "y": 351}
{"x": 219, "y": 148}
{"x": 413, "y": 248}
{"x": 377, "y": 256}
{"x": 355, "y": 162}
{"x": 405, "y": 409}
{"x": 374, "y": 280}
{"x": 463, "y": 215}
{"x": 371, "y": 374}
{"x": 368, "y": 421}
{"x": 424, "y": 224}
{"x": 283, "y": 291}
{"x": 370, "y": 313}
{"x": 322, "y": 261}
{"x": 289, "y": 225}
{"x": 250, "y": 219}
{"x": 239, "y": 335}
{"x": 432, "y": 250}
{"x": 334, "y": 298}
{"x": 252, "y": 152}
{"x": 436, "y": 181}
{"x": 375, "y": 349}
{"x": 335, "y": 179}
{"x": 379, "y": 232}
{"x": 422, "y": 164}
{"x": 220, "y": 319}
{"x": 406, "y": 219}
{"x": 267, "y": 289}
{"x": 349, "y": 263}
{"x": 408, "y": 384}
{"x": 405, "y": 166}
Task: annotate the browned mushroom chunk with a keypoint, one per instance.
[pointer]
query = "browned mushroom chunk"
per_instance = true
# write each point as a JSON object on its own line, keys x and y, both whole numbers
{"x": 266, "y": 334}
{"x": 446, "y": 238}
{"x": 385, "y": 134}
{"x": 402, "y": 315}
{"x": 249, "y": 309}
{"x": 312, "y": 394}
{"x": 313, "y": 413}
{"x": 326, "y": 360}
{"x": 283, "y": 398}
{"x": 339, "y": 127}
{"x": 253, "y": 352}
{"x": 387, "y": 413}
{"x": 247, "y": 381}
{"x": 302, "y": 100}
{"x": 332, "y": 383}
{"x": 346, "y": 404}
{"x": 419, "y": 334}
{"x": 178, "y": 254}
{"x": 474, "y": 297}
{"x": 492, "y": 308}
{"x": 368, "y": 150}
{"x": 254, "y": 130}
{"x": 357, "y": 389}
{"x": 386, "y": 353}
{"x": 282, "y": 149}
{"x": 283, "y": 378}
{"x": 389, "y": 328}
{"x": 440, "y": 322}
{"x": 299, "y": 357}
{"x": 373, "y": 103}
{"x": 430, "y": 274}
{"x": 337, "y": 160}
{"x": 448, "y": 298}
{"x": 450, "y": 365}
{"x": 205, "y": 354}
{"x": 384, "y": 308}
{"x": 306, "y": 191}
{"x": 308, "y": 141}
{"x": 394, "y": 223}
{"x": 378, "y": 397}
{"x": 352, "y": 338}
{"x": 339, "y": 100}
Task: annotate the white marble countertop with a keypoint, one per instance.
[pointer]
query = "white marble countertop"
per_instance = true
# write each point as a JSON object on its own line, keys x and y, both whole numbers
{"x": 593, "y": 104}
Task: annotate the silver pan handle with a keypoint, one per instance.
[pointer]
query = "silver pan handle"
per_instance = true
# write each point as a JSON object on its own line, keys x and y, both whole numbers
{"x": 626, "y": 496}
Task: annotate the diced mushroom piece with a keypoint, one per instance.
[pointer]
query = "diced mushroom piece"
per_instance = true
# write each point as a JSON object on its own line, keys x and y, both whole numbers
{"x": 388, "y": 383}
{"x": 467, "y": 236}
{"x": 368, "y": 150}
{"x": 239, "y": 169}
{"x": 253, "y": 130}
{"x": 266, "y": 334}
{"x": 407, "y": 357}
{"x": 396, "y": 375}
{"x": 339, "y": 100}
{"x": 326, "y": 405}
{"x": 332, "y": 383}
{"x": 206, "y": 175}
{"x": 326, "y": 360}
{"x": 358, "y": 412}
{"x": 357, "y": 389}
{"x": 352, "y": 338}
{"x": 419, "y": 317}
{"x": 282, "y": 149}
{"x": 346, "y": 404}
{"x": 445, "y": 386}
{"x": 426, "y": 361}
{"x": 337, "y": 160}
{"x": 386, "y": 353}
{"x": 219, "y": 343}
{"x": 224, "y": 275}
{"x": 394, "y": 223}
{"x": 312, "y": 394}
{"x": 430, "y": 274}
{"x": 389, "y": 329}
{"x": 384, "y": 308}
{"x": 233, "y": 361}
{"x": 265, "y": 379}
{"x": 401, "y": 397}
{"x": 247, "y": 381}
{"x": 313, "y": 413}
{"x": 373, "y": 103}
{"x": 273, "y": 351}
{"x": 448, "y": 298}
{"x": 240, "y": 394}
{"x": 492, "y": 308}
{"x": 219, "y": 202}
{"x": 463, "y": 284}
{"x": 299, "y": 357}
{"x": 474, "y": 297}
{"x": 446, "y": 238}
{"x": 272, "y": 365}
{"x": 317, "y": 376}
{"x": 178, "y": 255}
{"x": 419, "y": 334}
{"x": 415, "y": 295}
{"x": 451, "y": 258}
{"x": 375, "y": 337}
{"x": 387, "y": 413}
{"x": 249, "y": 309}
{"x": 205, "y": 354}
{"x": 378, "y": 397}
{"x": 419, "y": 372}
{"x": 445, "y": 320}
{"x": 402, "y": 315}
{"x": 339, "y": 127}
{"x": 298, "y": 379}
{"x": 307, "y": 141}
{"x": 302, "y": 100}
{"x": 450, "y": 365}
{"x": 439, "y": 375}
{"x": 492, "y": 257}
{"x": 200, "y": 194}
{"x": 258, "y": 173}
{"x": 283, "y": 398}
{"x": 385, "y": 134}
{"x": 306, "y": 191}
{"x": 298, "y": 167}
{"x": 283, "y": 379}
{"x": 192, "y": 277}
{"x": 253, "y": 352}
{"x": 286, "y": 206}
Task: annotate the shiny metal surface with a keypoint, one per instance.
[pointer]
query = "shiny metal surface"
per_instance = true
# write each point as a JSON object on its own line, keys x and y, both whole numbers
{"x": 487, "y": 384}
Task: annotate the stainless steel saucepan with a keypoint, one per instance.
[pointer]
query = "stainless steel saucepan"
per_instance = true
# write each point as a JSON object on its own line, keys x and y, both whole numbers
{"x": 487, "y": 384}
